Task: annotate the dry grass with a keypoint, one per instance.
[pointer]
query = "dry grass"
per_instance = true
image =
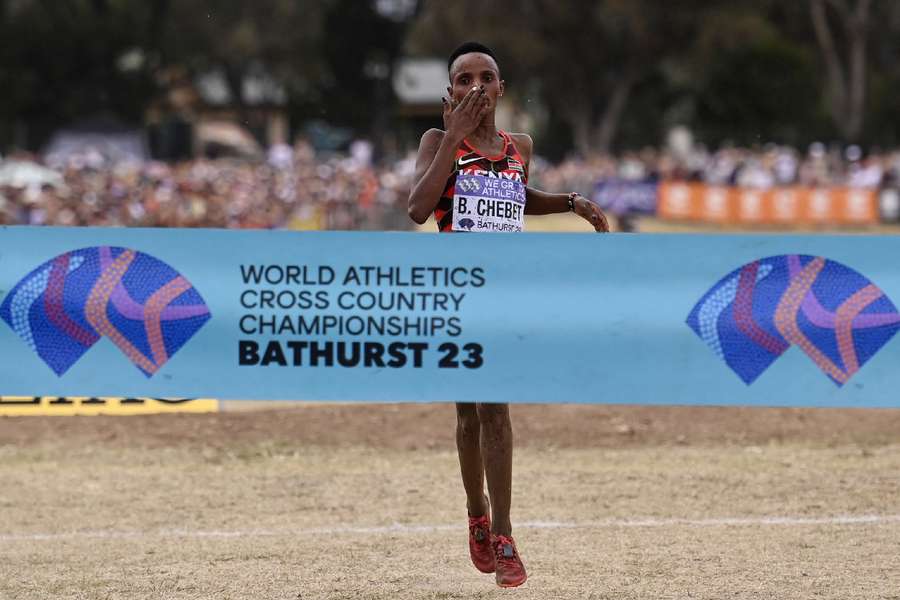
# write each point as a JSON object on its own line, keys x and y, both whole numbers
{"x": 232, "y": 513}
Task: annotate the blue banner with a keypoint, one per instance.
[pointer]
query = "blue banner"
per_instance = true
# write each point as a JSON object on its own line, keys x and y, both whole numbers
{"x": 654, "y": 319}
{"x": 620, "y": 197}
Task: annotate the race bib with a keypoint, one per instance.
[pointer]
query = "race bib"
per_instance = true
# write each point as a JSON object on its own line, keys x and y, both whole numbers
{"x": 483, "y": 203}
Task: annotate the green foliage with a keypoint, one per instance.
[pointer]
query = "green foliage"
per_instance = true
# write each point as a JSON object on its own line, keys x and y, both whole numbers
{"x": 359, "y": 50}
{"x": 58, "y": 61}
{"x": 282, "y": 36}
{"x": 766, "y": 91}
{"x": 61, "y": 59}
{"x": 741, "y": 70}
{"x": 884, "y": 124}
{"x": 606, "y": 73}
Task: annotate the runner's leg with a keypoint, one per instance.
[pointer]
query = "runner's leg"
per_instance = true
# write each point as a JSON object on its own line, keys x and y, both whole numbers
{"x": 496, "y": 451}
{"x": 468, "y": 433}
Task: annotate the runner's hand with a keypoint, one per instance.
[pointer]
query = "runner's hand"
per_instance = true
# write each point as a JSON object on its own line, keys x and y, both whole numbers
{"x": 463, "y": 118}
{"x": 591, "y": 213}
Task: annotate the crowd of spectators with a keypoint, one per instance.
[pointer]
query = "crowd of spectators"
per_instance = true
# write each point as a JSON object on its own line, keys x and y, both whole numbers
{"x": 760, "y": 168}
{"x": 297, "y": 188}
{"x": 294, "y": 188}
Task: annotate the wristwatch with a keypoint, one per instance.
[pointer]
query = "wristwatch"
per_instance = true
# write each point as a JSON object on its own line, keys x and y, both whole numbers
{"x": 572, "y": 196}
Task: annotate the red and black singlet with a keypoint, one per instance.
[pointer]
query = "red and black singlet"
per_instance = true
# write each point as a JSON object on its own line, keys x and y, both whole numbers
{"x": 507, "y": 164}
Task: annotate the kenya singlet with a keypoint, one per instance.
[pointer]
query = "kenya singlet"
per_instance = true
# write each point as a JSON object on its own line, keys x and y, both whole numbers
{"x": 484, "y": 193}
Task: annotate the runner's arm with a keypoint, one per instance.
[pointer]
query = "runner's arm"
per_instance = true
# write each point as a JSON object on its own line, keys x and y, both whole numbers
{"x": 434, "y": 164}
{"x": 538, "y": 202}
{"x": 545, "y": 203}
{"x": 437, "y": 152}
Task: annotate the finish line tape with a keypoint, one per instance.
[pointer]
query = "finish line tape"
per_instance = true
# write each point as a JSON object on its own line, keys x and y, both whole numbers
{"x": 339, "y": 316}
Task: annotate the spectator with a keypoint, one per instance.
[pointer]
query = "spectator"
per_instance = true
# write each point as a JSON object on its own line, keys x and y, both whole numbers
{"x": 297, "y": 188}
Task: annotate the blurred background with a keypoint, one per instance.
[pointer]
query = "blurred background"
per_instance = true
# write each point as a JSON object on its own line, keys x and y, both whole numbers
{"x": 301, "y": 114}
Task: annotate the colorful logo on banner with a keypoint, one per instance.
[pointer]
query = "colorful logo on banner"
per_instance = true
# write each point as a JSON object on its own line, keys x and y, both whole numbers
{"x": 754, "y": 314}
{"x": 145, "y": 307}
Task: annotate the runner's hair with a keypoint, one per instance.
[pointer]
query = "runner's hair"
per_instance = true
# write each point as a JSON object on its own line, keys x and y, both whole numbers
{"x": 467, "y": 48}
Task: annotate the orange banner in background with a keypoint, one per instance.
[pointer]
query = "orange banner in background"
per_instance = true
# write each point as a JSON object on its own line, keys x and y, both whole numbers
{"x": 776, "y": 206}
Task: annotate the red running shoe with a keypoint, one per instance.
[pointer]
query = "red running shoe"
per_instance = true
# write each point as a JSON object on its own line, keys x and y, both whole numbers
{"x": 510, "y": 570}
{"x": 480, "y": 543}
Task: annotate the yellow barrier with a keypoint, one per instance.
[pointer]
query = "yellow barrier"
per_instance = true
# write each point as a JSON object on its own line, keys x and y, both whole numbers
{"x": 19, "y": 406}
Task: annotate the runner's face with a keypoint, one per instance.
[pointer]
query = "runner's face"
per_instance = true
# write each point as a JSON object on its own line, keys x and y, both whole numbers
{"x": 475, "y": 69}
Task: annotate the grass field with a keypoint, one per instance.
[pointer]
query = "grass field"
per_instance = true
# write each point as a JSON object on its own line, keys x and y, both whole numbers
{"x": 357, "y": 501}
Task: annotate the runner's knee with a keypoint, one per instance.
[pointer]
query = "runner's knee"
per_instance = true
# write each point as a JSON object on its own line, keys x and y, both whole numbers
{"x": 467, "y": 422}
{"x": 494, "y": 416}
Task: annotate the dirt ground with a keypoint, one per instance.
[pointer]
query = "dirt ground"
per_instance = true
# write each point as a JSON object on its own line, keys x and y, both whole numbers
{"x": 364, "y": 501}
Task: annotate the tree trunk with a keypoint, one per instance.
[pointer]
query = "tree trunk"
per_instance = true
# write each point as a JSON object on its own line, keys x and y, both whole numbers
{"x": 846, "y": 94}
{"x": 857, "y": 34}
{"x": 578, "y": 115}
{"x": 159, "y": 14}
{"x": 234, "y": 78}
{"x": 837, "y": 92}
{"x": 609, "y": 121}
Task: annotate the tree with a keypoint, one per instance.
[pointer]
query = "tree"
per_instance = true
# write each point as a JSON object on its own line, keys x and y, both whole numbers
{"x": 846, "y": 71}
{"x": 585, "y": 63}
{"x": 365, "y": 38}
{"x": 768, "y": 87}
{"x": 280, "y": 38}
{"x": 334, "y": 57}
{"x": 60, "y": 61}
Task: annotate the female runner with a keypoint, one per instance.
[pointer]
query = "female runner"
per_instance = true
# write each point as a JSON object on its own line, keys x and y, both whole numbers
{"x": 452, "y": 167}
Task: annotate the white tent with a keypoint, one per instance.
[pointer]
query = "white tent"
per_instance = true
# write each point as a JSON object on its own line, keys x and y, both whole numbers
{"x": 23, "y": 174}
{"x": 105, "y": 138}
